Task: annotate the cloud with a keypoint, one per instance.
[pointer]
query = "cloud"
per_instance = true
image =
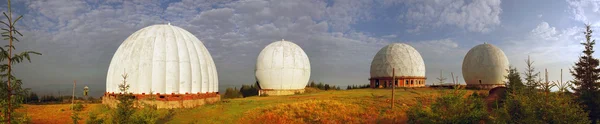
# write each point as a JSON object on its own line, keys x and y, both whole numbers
{"x": 578, "y": 9}
{"x": 438, "y": 47}
{"x": 544, "y": 31}
{"x": 389, "y": 36}
{"x": 79, "y": 38}
{"x": 474, "y": 16}
{"x": 343, "y": 13}
{"x": 548, "y": 48}
{"x": 585, "y": 11}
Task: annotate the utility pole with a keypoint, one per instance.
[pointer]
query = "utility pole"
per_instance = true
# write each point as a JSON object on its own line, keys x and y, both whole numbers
{"x": 547, "y": 76}
{"x": 453, "y": 82}
{"x": 73, "y": 97}
{"x": 393, "y": 85}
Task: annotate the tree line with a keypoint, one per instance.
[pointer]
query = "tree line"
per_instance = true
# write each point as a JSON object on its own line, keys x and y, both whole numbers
{"x": 252, "y": 90}
{"x": 365, "y": 86}
{"x": 33, "y": 98}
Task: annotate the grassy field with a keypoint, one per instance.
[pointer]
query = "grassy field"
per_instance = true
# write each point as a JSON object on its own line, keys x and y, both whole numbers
{"x": 56, "y": 113}
{"x": 358, "y": 105}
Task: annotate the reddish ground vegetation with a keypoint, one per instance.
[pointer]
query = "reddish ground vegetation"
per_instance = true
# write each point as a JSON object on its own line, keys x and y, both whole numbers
{"x": 312, "y": 111}
{"x": 55, "y": 113}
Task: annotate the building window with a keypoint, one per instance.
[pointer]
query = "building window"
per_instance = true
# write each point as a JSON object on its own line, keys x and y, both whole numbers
{"x": 411, "y": 82}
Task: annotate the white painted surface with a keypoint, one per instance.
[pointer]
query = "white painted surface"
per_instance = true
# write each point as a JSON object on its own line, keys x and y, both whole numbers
{"x": 163, "y": 59}
{"x": 282, "y": 65}
{"x": 485, "y": 62}
{"x": 404, "y": 58}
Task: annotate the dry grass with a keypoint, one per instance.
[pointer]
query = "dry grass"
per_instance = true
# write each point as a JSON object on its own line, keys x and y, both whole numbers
{"x": 357, "y": 105}
{"x": 55, "y": 114}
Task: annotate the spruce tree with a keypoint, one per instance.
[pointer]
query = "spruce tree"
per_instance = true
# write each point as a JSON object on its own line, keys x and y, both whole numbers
{"x": 585, "y": 78}
{"x": 530, "y": 75}
{"x": 125, "y": 109}
{"x": 514, "y": 82}
{"x": 13, "y": 94}
{"x": 441, "y": 79}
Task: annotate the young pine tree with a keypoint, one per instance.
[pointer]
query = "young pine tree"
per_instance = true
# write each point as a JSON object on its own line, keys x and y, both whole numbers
{"x": 125, "y": 108}
{"x": 585, "y": 78}
{"x": 441, "y": 79}
{"x": 12, "y": 95}
{"x": 514, "y": 82}
{"x": 530, "y": 75}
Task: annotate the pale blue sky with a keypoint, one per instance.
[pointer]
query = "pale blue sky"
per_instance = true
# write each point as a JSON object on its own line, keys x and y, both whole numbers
{"x": 79, "y": 37}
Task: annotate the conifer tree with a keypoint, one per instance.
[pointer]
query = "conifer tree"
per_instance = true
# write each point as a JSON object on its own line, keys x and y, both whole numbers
{"x": 441, "y": 79}
{"x": 125, "y": 108}
{"x": 514, "y": 82}
{"x": 530, "y": 74}
{"x": 585, "y": 78}
{"x": 13, "y": 94}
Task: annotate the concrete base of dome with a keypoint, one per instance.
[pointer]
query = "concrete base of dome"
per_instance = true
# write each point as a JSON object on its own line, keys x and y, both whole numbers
{"x": 484, "y": 86}
{"x": 166, "y": 101}
{"x": 272, "y": 92}
{"x": 401, "y": 81}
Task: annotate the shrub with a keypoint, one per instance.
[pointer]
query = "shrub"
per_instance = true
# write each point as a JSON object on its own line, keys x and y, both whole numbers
{"x": 232, "y": 93}
{"x": 18, "y": 118}
{"x": 93, "y": 119}
{"x": 249, "y": 90}
{"x": 75, "y": 115}
{"x": 147, "y": 115}
{"x": 539, "y": 107}
{"x": 311, "y": 90}
{"x": 452, "y": 107}
{"x": 125, "y": 108}
{"x": 77, "y": 107}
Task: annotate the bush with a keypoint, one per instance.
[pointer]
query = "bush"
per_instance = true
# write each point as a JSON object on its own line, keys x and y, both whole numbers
{"x": 75, "y": 115}
{"x": 93, "y": 119}
{"x": 77, "y": 107}
{"x": 18, "y": 118}
{"x": 232, "y": 93}
{"x": 539, "y": 107}
{"x": 147, "y": 115}
{"x": 249, "y": 90}
{"x": 125, "y": 109}
{"x": 452, "y": 107}
{"x": 311, "y": 90}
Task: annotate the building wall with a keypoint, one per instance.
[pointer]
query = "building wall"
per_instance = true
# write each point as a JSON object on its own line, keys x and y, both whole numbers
{"x": 484, "y": 86}
{"x": 279, "y": 92}
{"x": 168, "y": 102}
{"x": 386, "y": 82}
